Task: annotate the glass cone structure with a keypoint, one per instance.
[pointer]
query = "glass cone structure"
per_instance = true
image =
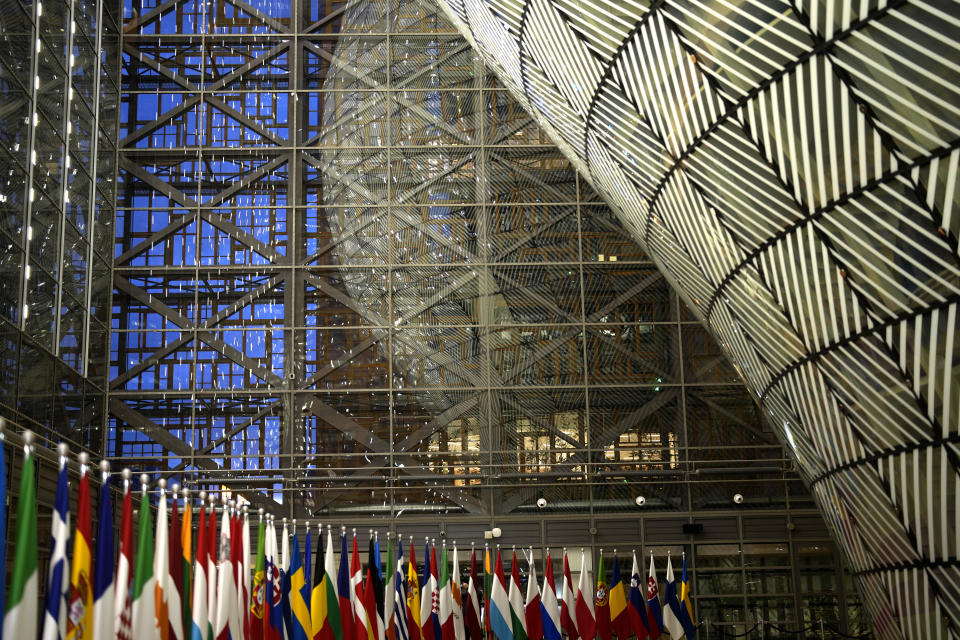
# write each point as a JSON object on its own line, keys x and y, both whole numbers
{"x": 792, "y": 169}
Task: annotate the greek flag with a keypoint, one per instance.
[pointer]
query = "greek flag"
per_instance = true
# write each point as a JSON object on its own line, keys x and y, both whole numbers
{"x": 58, "y": 575}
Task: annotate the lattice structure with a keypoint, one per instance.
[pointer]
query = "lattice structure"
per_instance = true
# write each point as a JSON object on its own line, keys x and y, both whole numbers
{"x": 792, "y": 168}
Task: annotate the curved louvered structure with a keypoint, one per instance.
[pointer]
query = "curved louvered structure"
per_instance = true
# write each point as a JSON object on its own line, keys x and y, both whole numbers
{"x": 792, "y": 168}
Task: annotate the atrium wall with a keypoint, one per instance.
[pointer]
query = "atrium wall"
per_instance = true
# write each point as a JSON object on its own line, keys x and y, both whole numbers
{"x": 792, "y": 169}
{"x": 59, "y": 91}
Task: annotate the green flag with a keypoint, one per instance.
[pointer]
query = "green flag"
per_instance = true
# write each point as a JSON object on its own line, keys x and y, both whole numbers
{"x": 144, "y": 613}
{"x": 257, "y": 598}
{"x": 21, "y": 618}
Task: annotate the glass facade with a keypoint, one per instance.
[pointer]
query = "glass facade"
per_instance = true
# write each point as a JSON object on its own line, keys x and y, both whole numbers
{"x": 792, "y": 169}
{"x": 59, "y": 91}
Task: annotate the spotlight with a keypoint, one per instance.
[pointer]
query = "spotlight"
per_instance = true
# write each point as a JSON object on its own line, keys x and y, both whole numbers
{"x": 738, "y": 498}
{"x": 640, "y": 501}
{"x": 541, "y": 502}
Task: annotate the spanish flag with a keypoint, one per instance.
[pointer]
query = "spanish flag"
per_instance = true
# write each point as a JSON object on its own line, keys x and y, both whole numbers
{"x": 413, "y": 596}
{"x": 80, "y": 602}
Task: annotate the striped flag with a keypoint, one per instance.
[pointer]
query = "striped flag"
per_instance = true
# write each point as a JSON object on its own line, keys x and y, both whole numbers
{"x": 549, "y": 607}
{"x": 636, "y": 605}
{"x": 389, "y": 591}
{"x": 174, "y": 587}
{"x": 361, "y": 623}
{"x": 517, "y": 617}
{"x": 236, "y": 565}
{"x": 413, "y": 596}
{"x": 58, "y": 573}
{"x": 325, "y": 604}
{"x": 344, "y": 590}
{"x": 435, "y": 593}
{"x": 370, "y": 605}
{"x": 654, "y": 612}
{"x": 161, "y": 565}
{"x": 20, "y": 620}
{"x": 397, "y": 597}
{"x": 285, "y": 582}
{"x": 532, "y": 606}
{"x": 226, "y": 589}
{"x": 487, "y": 586}
{"x": 144, "y": 612}
{"x": 445, "y": 612}
{"x": 103, "y": 588}
{"x": 123, "y": 605}
{"x": 80, "y": 612}
{"x": 273, "y": 590}
{"x": 186, "y": 554}
{"x": 257, "y": 598}
{"x": 602, "y": 602}
{"x": 198, "y": 611}
{"x": 459, "y": 632}
{"x": 307, "y": 550}
{"x": 474, "y": 630}
{"x": 211, "y": 561}
{"x": 619, "y": 616}
{"x": 586, "y": 614}
{"x": 568, "y": 604}
{"x": 243, "y": 584}
{"x": 499, "y": 605}
{"x": 427, "y": 594}
{"x": 3, "y": 533}
{"x": 373, "y": 564}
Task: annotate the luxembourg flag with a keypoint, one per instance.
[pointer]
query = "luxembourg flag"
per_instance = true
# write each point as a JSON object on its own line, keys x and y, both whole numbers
{"x": 499, "y": 607}
{"x": 568, "y": 605}
{"x": 532, "y": 607}
{"x": 549, "y": 608}
{"x": 55, "y": 616}
{"x": 103, "y": 595}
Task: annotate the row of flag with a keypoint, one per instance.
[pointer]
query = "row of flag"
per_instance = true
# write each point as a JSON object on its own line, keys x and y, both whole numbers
{"x": 160, "y": 589}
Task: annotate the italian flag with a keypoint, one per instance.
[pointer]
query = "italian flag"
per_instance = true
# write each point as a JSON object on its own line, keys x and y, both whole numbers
{"x": 21, "y": 618}
{"x": 144, "y": 584}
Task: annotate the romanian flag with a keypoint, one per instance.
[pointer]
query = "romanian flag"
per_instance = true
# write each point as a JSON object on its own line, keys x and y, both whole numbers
{"x": 619, "y": 617}
{"x": 602, "y": 602}
{"x": 413, "y": 596}
{"x": 80, "y": 602}
{"x": 325, "y": 604}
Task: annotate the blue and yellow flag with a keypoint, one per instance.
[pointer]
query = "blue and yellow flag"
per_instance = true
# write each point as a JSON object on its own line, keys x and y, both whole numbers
{"x": 686, "y": 609}
{"x": 302, "y": 627}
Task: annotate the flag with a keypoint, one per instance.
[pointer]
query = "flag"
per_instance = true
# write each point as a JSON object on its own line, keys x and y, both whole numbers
{"x": 344, "y": 590}
{"x": 257, "y": 594}
{"x": 370, "y": 606}
{"x": 498, "y": 606}
{"x": 80, "y": 612}
{"x": 307, "y": 551}
{"x": 273, "y": 619}
{"x": 211, "y": 570}
{"x": 427, "y": 595}
{"x": 244, "y": 603}
{"x": 619, "y": 618}
{"x": 161, "y": 566}
{"x": 299, "y": 594}
{"x": 224, "y": 628}
{"x": 3, "y": 537}
{"x": 285, "y": 582}
{"x": 361, "y": 623}
{"x": 198, "y": 609}
{"x": 458, "y": 631}
{"x": 636, "y": 607}
{"x": 602, "y": 602}
{"x": 103, "y": 594}
{"x": 413, "y": 596}
{"x": 549, "y": 607}
{"x": 236, "y": 565}
{"x": 186, "y": 550}
{"x": 325, "y": 604}
{"x": 586, "y": 614}
{"x": 175, "y": 571}
{"x": 20, "y": 620}
{"x": 474, "y": 629}
{"x": 531, "y": 608}
{"x": 376, "y": 613}
{"x": 671, "y": 609}
{"x": 389, "y": 595}
{"x": 487, "y": 586}
{"x": 445, "y": 613}
{"x": 144, "y": 610}
{"x": 435, "y": 593}
{"x": 517, "y": 617}
{"x": 397, "y": 593}
{"x": 686, "y": 609}
{"x": 58, "y": 573}
{"x": 123, "y": 606}
{"x": 654, "y": 612}
{"x": 568, "y": 605}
